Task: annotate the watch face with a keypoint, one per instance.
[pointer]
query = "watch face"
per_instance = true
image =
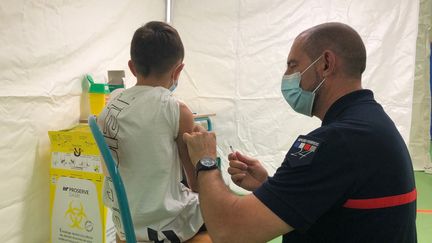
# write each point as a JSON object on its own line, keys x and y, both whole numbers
{"x": 207, "y": 162}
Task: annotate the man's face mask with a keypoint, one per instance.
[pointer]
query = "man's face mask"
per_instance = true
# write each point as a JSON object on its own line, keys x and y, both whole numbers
{"x": 300, "y": 100}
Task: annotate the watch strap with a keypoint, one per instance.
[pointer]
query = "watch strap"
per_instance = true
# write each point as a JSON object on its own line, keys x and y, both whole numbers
{"x": 201, "y": 167}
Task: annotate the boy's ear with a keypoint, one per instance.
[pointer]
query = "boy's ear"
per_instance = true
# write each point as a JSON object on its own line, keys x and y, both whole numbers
{"x": 177, "y": 71}
{"x": 132, "y": 67}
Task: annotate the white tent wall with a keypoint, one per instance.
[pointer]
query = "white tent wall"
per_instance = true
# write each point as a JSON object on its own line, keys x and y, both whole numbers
{"x": 235, "y": 57}
{"x": 421, "y": 115}
{"x": 45, "y": 49}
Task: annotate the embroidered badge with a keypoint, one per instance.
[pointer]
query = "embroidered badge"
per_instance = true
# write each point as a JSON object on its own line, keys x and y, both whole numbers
{"x": 303, "y": 151}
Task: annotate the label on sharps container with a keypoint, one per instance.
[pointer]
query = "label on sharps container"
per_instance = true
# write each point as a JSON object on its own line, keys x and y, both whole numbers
{"x": 75, "y": 161}
{"x": 76, "y": 215}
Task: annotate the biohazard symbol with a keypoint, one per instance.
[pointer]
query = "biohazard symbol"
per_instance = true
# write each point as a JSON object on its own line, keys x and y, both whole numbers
{"x": 76, "y": 215}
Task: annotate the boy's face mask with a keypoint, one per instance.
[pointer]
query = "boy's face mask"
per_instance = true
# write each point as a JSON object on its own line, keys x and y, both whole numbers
{"x": 175, "y": 82}
{"x": 300, "y": 100}
{"x": 173, "y": 86}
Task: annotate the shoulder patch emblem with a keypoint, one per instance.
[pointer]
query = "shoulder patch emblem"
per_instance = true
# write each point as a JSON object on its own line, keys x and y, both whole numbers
{"x": 303, "y": 151}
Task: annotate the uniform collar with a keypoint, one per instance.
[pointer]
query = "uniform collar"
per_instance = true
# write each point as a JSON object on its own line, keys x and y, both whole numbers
{"x": 342, "y": 103}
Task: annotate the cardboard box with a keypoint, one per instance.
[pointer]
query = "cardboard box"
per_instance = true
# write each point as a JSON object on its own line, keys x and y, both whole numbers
{"x": 76, "y": 181}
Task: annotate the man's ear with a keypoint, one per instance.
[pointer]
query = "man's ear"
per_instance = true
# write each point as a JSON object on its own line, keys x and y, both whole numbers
{"x": 132, "y": 68}
{"x": 177, "y": 71}
{"x": 329, "y": 64}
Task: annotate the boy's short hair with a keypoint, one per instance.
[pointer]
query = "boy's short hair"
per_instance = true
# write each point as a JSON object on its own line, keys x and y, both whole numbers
{"x": 155, "y": 48}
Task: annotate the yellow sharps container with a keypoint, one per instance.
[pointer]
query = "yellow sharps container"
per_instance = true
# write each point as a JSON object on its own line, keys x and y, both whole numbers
{"x": 98, "y": 93}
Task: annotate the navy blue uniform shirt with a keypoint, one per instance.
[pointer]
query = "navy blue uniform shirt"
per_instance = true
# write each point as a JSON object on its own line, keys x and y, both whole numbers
{"x": 357, "y": 154}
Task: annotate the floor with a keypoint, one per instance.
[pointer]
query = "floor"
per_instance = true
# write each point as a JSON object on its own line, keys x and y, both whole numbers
{"x": 424, "y": 208}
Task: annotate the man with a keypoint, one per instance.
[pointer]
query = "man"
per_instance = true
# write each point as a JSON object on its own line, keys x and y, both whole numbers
{"x": 350, "y": 180}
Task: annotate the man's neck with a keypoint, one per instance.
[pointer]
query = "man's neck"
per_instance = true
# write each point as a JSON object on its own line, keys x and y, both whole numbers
{"x": 327, "y": 99}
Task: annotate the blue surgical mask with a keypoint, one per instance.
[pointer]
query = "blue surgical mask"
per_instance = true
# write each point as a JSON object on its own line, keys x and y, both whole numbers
{"x": 175, "y": 82}
{"x": 173, "y": 86}
{"x": 300, "y": 100}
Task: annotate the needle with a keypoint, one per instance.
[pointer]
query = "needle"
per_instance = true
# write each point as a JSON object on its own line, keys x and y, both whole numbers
{"x": 232, "y": 150}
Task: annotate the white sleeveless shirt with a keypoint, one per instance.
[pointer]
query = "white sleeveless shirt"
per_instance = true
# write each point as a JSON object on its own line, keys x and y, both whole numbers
{"x": 140, "y": 126}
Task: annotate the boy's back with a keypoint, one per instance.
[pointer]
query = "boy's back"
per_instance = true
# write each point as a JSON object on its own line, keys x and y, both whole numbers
{"x": 141, "y": 125}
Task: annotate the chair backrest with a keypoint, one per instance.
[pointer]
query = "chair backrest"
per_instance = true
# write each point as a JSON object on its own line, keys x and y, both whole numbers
{"x": 116, "y": 180}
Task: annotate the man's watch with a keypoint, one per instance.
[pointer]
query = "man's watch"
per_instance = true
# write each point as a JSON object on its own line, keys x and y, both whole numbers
{"x": 206, "y": 163}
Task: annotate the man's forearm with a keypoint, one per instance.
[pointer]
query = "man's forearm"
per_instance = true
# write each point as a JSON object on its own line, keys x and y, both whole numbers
{"x": 217, "y": 204}
{"x": 232, "y": 218}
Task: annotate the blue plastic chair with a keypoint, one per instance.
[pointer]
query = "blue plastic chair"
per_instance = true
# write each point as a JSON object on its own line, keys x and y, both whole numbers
{"x": 207, "y": 119}
{"x": 113, "y": 171}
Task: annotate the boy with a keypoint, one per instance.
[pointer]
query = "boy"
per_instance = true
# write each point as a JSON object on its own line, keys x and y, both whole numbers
{"x": 143, "y": 127}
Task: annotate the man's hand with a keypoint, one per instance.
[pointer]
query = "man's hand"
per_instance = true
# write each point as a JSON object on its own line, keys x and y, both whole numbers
{"x": 200, "y": 143}
{"x": 246, "y": 172}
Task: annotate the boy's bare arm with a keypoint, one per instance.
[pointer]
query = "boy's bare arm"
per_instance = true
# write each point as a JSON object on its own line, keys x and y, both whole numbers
{"x": 186, "y": 124}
